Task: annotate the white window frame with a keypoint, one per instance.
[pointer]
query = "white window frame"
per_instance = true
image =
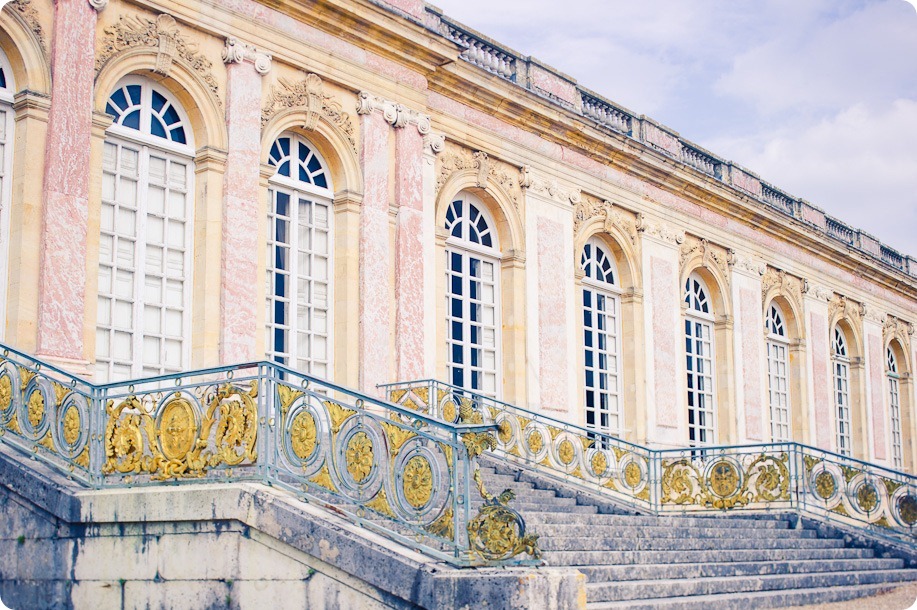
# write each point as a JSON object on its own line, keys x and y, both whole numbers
{"x": 840, "y": 377}
{"x": 695, "y": 318}
{"x": 466, "y": 249}
{"x": 894, "y": 407}
{"x": 610, "y": 291}
{"x": 6, "y": 167}
{"x": 295, "y": 188}
{"x": 778, "y": 374}
{"x": 144, "y": 144}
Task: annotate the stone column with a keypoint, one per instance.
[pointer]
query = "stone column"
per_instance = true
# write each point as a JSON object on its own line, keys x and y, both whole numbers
{"x": 245, "y": 66}
{"x": 877, "y": 441}
{"x": 664, "y": 331}
{"x": 752, "y": 406}
{"x": 62, "y": 279}
{"x": 818, "y": 367}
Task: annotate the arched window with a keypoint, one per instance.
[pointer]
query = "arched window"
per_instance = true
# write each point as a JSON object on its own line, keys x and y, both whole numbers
{"x": 601, "y": 320}
{"x": 894, "y": 406}
{"x": 777, "y": 374}
{"x": 299, "y": 257}
{"x": 840, "y": 365}
{"x": 699, "y": 362}
{"x": 143, "y": 315}
{"x": 7, "y": 89}
{"x": 472, "y": 297}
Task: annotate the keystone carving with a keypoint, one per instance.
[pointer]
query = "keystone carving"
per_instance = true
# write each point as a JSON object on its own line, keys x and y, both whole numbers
{"x": 841, "y": 307}
{"x": 896, "y": 328}
{"x": 874, "y": 314}
{"x": 237, "y": 52}
{"x": 548, "y": 187}
{"x": 309, "y": 95}
{"x": 659, "y": 230}
{"x": 591, "y": 207}
{"x": 785, "y": 285}
{"x": 487, "y": 170}
{"x": 710, "y": 255}
{"x": 397, "y": 115}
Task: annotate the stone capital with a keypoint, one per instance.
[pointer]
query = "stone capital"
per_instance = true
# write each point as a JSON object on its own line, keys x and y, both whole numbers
{"x": 237, "y": 52}
{"x": 434, "y": 143}
{"x": 395, "y": 114}
{"x": 98, "y": 5}
{"x": 548, "y": 187}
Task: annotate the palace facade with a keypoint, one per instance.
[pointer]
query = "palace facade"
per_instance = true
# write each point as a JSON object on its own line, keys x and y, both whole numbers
{"x": 370, "y": 192}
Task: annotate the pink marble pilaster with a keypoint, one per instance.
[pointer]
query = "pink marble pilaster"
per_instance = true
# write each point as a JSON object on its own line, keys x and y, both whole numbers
{"x": 877, "y": 389}
{"x": 552, "y": 323}
{"x": 821, "y": 381}
{"x": 238, "y": 306}
{"x": 409, "y": 260}
{"x": 752, "y": 348}
{"x": 375, "y": 284}
{"x": 666, "y": 340}
{"x": 62, "y": 281}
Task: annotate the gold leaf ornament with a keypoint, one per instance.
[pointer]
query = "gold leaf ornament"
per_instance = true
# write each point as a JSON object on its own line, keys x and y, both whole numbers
{"x": 417, "y": 481}
{"x": 359, "y": 456}
{"x": 303, "y": 434}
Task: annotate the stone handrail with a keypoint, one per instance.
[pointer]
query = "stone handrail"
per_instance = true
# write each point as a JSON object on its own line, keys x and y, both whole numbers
{"x": 564, "y": 91}
{"x": 397, "y": 472}
{"x": 762, "y": 477}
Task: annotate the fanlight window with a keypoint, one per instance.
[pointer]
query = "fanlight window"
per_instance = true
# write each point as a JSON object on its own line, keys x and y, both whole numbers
{"x": 840, "y": 366}
{"x": 295, "y": 159}
{"x": 699, "y": 363}
{"x": 465, "y": 221}
{"x": 894, "y": 404}
{"x": 775, "y": 325}
{"x": 138, "y": 105}
{"x": 597, "y": 264}
{"x": 299, "y": 258}
{"x": 696, "y": 295}
{"x": 839, "y": 347}
{"x": 777, "y": 375}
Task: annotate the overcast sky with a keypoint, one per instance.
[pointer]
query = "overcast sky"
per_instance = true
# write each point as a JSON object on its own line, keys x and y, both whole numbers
{"x": 818, "y": 97}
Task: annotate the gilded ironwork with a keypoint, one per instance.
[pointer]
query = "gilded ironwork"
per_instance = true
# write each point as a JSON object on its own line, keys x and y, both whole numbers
{"x": 397, "y": 436}
{"x": 867, "y": 497}
{"x": 907, "y": 509}
{"x": 724, "y": 479}
{"x": 177, "y": 429}
{"x": 380, "y": 504}
{"x": 632, "y": 474}
{"x": 6, "y": 392}
{"x": 498, "y": 533}
{"x": 71, "y": 426}
{"x": 825, "y": 485}
{"x": 565, "y": 452}
{"x": 535, "y": 442}
{"x": 599, "y": 463}
{"x": 36, "y": 407}
{"x": 417, "y": 481}
{"x": 338, "y": 414}
{"x": 444, "y": 527}
{"x": 360, "y": 456}
{"x": 303, "y": 435}
{"x": 449, "y": 410}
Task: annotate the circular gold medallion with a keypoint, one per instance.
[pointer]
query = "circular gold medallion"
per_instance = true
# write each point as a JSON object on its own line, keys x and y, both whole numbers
{"x": 907, "y": 509}
{"x": 632, "y": 474}
{"x": 303, "y": 435}
{"x": 599, "y": 464}
{"x": 535, "y": 442}
{"x": 6, "y": 392}
{"x": 449, "y": 411}
{"x": 359, "y": 456}
{"x": 417, "y": 482}
{"x": 504, "y": 431}
{"x": 36, "y": 407}
{"x": 867, "y": 497}
{"x": 177, "y": 429}
{"x": 825, "y": 485}
{"x": 565, "y": 452}
{"x": 724, "y": 479}
{"x": 71, "y": 425}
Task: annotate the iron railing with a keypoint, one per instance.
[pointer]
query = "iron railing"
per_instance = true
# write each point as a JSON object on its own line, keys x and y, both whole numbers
{"x": 763, "y": 477}
{"x": 408, "y": 476}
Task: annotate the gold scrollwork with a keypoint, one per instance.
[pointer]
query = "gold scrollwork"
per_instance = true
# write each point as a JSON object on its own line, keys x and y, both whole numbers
{"x": 303, "y": 434}
{"x": 397, "y": 436}
{"x": 6, "y": 392}
{"x": 497, "y": 532}
{"x": 565, "y": 452}
{"x": 632, "y": 474}
{"x": 288, "y": 396}
{"x": 771, "y": 477}
{"x": 36, "y": 407}
{"x": 359, "y": 456}
{"x": 825, "y": 485}
{"x": 417, "y": 481}
{"x": 679, "y": 481}
{"x": 380, "y": 504}
{"x": 444, "y": 527}
{"x": 71, "y": 425}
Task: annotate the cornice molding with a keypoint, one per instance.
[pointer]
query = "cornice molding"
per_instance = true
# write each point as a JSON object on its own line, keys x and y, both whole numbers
{"x": 237, "y": 52}
{"x": 395, "y": 114}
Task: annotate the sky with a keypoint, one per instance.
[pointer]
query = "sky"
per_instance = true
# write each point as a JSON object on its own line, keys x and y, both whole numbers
{"x": 818, "y": 97}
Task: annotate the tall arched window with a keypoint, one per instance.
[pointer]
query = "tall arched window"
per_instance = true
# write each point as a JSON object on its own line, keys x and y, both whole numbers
{"x": 472, "y": 296}
{"x": 299, "y": 257}
{"x": 601, "y": 320}
{"x": 777, "y": 375}
{"x": 7, "y": 89}
{"x": 894, "y": 407}
{"x": 699, "y": 362}
{"x": 840, "y": 365}
{"x": 143, "y": 318}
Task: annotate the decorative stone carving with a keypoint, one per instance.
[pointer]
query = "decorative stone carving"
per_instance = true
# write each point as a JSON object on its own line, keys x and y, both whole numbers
{"x": 591, "y": 207}
{"x": 434, "y": 143}
{"x": 397, "y": 115}
{"x": 874, "y": 314}
{"x": 659, "y": 230}
{"x": 841, "y": 307}
{"x": 816, "y": 291}
{"x": 896, "y": 328}
{"x": 487, "y": 169}
{"x": 161, "y": 34}
{"x": 238, "y": 52}
{"x": 551, "y": 188}
{"x": 98, "y": 5}
{"x": 746, "y": 264}
{"x": 309, "y": 95}
{"x": 785, "y": 285}
{"x": 30, "y": 15}
{"x": 710, "y": 255}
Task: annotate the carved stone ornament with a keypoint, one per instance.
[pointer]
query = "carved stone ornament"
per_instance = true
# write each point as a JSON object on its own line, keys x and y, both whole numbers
{"x": 237, "y": 52}
{"x": 816, "y": 291}
{"x": 161, "y": 34}
{"x": 710, "y": 255}
{"x": 30, "y": 15}
{"x": 874, "y": 314}
{"x": 745, "y": 264}
{"x": 434, "y": 143}
{"x": 786, "y": 285}
{"x": 591, "y": 207}
{"x": 841, "y": 307}
{"x": 397, "y": 115}
{"x": 659, "y": 230}
{"x": 309, "y": 95}
{"x": 550, "y": 188}
{"x": 897, "y": 328}
{"x": 98, "y": 5}
{"x": 455, "y": 158}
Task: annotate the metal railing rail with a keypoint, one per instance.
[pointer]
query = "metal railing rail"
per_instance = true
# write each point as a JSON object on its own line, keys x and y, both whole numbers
{"x": 760, "y": 477}
{"x": 405, "y": 475}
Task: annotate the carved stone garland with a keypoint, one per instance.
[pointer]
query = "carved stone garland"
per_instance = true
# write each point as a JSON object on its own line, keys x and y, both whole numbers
{"x": 456, "y": 158}
{"x": 590, "y": 207}
{"x": 162, "y": 34}
{"x": 309, "y": 95}
{"x": 710, "y": 255}
{"x": 786, "y": 285}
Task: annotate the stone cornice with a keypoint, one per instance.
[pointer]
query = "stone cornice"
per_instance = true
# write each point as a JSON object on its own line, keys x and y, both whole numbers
{"x": 395, "y": 114}
{"x": 237, "y": 52}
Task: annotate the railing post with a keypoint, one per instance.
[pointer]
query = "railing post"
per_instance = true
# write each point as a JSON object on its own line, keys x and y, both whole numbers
{"x": 96, "y": 435}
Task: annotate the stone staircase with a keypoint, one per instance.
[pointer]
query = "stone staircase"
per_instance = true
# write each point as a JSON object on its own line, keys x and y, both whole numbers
{"x": 639, "y": 561}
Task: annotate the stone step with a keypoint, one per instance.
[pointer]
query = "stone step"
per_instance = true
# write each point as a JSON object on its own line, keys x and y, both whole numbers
{"x": 650, "y": 531}
{"x": 599, "y": 573}
{"x": 647, "y": 520}
{"x": 591, "y": 558}
{"x": 569, "y": 508}
{"x": 757, "y": 600}
{"x": 526, "y": 494}
{"x": 615, "y": 543}
{"x": 643, "y": 589}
